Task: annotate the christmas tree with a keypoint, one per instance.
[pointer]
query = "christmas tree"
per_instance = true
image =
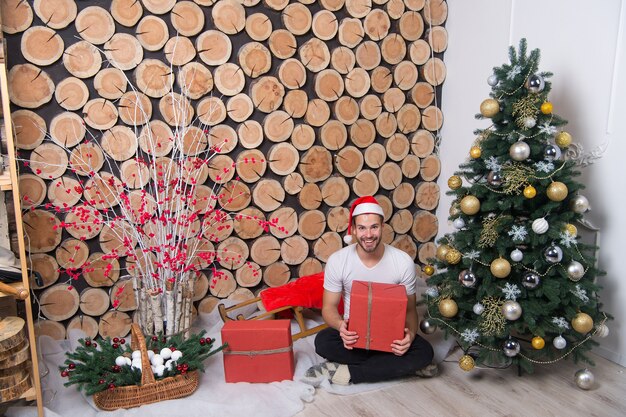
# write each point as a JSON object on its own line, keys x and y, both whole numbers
{"x": 514, "y": 283}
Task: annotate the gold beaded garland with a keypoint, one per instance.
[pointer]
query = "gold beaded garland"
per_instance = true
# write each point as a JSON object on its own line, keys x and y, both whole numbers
{"x": 448, "y": 308}
{"x": 538, "y": 342}
{"x": 454, "y": 182}
{"x": 557, "y": 191}
{"x": 563, "y": 139}
{"x": 470, "y": 205}
{"x": 453, "y": 256}
{"x": 546, "y": 107}
{"x": 489, "y": 107}
{"x": 475, "y": 152}
{"x": 582, "y": 323}
{"x": 530, "y": 192}
{"x": 466, "y": 362}
{"x": 500, "y": 268}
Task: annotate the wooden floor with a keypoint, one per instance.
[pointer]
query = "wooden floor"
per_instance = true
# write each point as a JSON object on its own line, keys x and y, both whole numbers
{"x": 550, "y": 391}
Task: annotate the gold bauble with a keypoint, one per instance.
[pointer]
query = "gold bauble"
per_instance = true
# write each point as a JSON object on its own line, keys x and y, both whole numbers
{"x": 557, "y": 191}
{"x": 546, "y": 107}
{"x": 563, "y": 139}
{"x": 429, "y": 270}
{"x": 582, "y": 323}
{"x": 453, "y": 257}
{"x": 442, "y": 251}
{"x": 470, "y": 205}
{"x": 489, "y": 107}
{"x": 530, "y": 191}
{"x": 475, "y": 152}
{"x": 448, "y": 308}
{"x": 571, "y": 229}
{"x": 500, "y": 268}
{"x": 466, "y": 362}
{"x": 538, "y": 342}
{"x": 454, "y": 182}
{"x": 454, "y": 210}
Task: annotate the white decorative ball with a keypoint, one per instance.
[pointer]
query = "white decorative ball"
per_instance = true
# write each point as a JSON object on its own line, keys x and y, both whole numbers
{"x": 585, "y": 379}
{"x": 136, "y": 354}
{"x": 120, "y": 361}
{"x": 478, "y": 309}
{"x": 540, "y": 226}
{"x": 176, "y": 355}
{"x": 559, "y": 342}
{"x": 169, "y": 365}
{"x": 136, "y": 364}
{"x": 492, "y": 80}
{"x": 128, "y": 361}
{"x": 150, "y": 354}
{"x": 517, "y": 255}
{"x": 458, "y": 223}
{"x": 519, "y": 151}
{"x": 579, "y": 204}
{"x": 158, "y": 370}
{"x": 511, "y": 310}
{"x": 529, "y": 122}
{"x": 575, "y": 270}
{"x": 157, "y": 360}
{"x": 166, "y": 353}
{"x": 602, "y": 331}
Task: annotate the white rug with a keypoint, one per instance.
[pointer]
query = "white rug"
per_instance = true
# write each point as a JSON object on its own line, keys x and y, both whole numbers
{"x": 214, "y": 397}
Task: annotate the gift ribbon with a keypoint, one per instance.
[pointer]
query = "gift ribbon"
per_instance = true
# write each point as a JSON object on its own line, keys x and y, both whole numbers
{"x": 258, "y": 352}
{"x": 369, "y": 314}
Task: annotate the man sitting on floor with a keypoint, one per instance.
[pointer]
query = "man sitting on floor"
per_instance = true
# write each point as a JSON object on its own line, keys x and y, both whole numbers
{"x": 368, "y": 260}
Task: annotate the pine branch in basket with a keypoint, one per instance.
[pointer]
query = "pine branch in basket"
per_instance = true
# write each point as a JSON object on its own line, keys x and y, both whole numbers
{"x": 96, "y": 366}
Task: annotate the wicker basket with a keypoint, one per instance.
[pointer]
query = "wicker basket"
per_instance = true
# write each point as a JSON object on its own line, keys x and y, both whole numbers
{"x": 150, "y": 390}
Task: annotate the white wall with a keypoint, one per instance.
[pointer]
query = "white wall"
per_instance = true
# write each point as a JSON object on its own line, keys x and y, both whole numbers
{"x": 580, "y": 42}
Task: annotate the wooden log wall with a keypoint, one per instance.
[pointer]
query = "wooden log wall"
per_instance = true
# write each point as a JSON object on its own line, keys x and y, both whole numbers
{"x": 304, "y": 106}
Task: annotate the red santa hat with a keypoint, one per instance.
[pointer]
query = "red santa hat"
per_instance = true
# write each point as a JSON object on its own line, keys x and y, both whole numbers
{"x": 362, "y": 205}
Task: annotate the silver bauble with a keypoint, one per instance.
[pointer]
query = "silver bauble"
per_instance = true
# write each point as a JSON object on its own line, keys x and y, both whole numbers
{"x": 467, "y": 278}
{"x": 585, "y": 379}
{"x": 492, "y": 80}
{"x": 427, "y": 327}
{"x": 575, "y": 271}
{"x": 511, "y": 347}
{"x": 511, "y": 310}
{"x": 579, "y": 204}
{"x": 559, "y": 342}
{"x": 519, "y": 151}
{"x": 602, "y": 331}
{"x": 495, "y": 179}
{"x": 517, "y": 255}
{"x": 458, "y": 223}
{"x": 478, "y": 309}
{"x": 530, "y": 280}
{"x": 535, "y": 83}
{"x": 529, "y": 122}
{"x": 553, "y": 254}
{"x": 551, "y": 152}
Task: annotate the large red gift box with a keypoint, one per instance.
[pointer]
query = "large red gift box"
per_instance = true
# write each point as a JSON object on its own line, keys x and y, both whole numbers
{"x": 377, "y": 314}
{"x": 258, "y": 350}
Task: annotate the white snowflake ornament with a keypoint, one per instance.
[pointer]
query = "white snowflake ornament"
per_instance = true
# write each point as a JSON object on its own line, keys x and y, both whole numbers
{"x": 567, "y": 240}
{"x": 470, "y": 335}
{"x": 518, "y": 233}
{"x": 511, "y": 291}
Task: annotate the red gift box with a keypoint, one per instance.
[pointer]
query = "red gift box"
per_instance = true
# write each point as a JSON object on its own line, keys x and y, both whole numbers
{"x": 258, "y": 350}
{"x": 377, "y": 314}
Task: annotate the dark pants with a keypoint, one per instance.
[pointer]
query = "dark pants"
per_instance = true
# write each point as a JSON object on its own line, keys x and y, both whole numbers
{"x": 372, "y": 365}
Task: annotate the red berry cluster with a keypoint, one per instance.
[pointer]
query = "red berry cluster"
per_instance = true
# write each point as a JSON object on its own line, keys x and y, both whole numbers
{"x": 66, "y": 372}
{"x": 205, "y": 341}
{"x": 183, "y": 368}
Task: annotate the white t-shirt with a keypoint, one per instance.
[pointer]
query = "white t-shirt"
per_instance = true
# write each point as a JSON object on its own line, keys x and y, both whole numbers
{"x": 345, "y": 266}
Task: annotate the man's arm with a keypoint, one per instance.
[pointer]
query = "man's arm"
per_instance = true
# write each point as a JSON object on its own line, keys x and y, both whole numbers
{"x": 399, "y": 347}
{"x": 330, "y": 313}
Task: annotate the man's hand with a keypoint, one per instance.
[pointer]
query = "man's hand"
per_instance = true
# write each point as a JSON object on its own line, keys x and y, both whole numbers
{"x": 349, "y": 338}
{"x": 400, "y": 347}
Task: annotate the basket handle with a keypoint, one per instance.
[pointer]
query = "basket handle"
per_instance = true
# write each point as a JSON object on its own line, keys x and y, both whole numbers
{"x": 138, "y": 342}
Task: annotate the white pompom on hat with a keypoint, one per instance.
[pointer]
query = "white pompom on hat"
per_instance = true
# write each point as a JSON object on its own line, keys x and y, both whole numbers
{"x": 362, "y": 205}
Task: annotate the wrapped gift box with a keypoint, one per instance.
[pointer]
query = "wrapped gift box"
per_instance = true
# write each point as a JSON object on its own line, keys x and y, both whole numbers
{"x": 258, "y": 350}
{"x": 377, "y": 314}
